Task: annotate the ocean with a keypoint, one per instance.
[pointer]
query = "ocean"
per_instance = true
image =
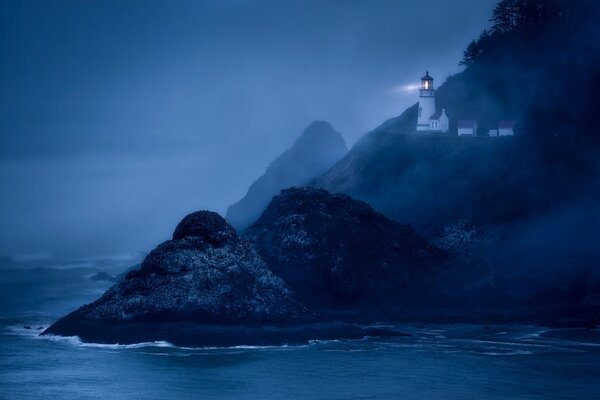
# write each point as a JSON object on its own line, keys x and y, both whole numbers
{"x": 436, "y": 362}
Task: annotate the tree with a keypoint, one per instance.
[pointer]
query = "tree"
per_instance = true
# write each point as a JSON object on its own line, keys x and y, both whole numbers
{"x": 535, "y": 12}
{"x": 516, "y": 14}
{"x": 504, "y": 16}
{"x": 476, "y": 48}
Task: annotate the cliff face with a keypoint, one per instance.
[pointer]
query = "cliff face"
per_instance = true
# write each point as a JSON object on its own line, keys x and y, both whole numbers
{"x": 443, "y": 182}
{"x": 432, "y": 181}
{"x": 317, "y": 149}
{"x": 207, "y": 275}
{"x": 338, "y": 253}
{"x": 517, "y": 206}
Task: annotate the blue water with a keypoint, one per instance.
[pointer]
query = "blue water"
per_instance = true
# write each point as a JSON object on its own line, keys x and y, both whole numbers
{"x": 437, "y": 362}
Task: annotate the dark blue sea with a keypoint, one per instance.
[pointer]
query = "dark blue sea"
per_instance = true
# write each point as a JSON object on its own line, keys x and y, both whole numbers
{"x": 436, "y": 362}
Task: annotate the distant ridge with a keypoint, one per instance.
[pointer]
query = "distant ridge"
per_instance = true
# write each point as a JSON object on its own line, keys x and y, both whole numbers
{"x": 316, "y": 150}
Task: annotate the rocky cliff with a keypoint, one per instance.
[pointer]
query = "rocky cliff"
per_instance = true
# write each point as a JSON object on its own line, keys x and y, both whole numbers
{"x": 521, "y": 223}
{"x": 435, "y": 181}
{"x": 338, "y": 253}
{"x": 317, "y": 149}
{"x": 205, "y": 287}
{"x": 516, "y": 209}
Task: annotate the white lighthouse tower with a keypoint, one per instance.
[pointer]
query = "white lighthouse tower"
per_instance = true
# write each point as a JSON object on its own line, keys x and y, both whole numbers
{"x": 426, "y": 103}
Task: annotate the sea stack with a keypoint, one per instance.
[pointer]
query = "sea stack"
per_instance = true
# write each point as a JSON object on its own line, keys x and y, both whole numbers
{"x": 206, "y": 275}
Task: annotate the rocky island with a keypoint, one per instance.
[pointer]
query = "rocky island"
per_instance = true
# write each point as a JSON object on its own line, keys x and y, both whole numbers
{"x": 208, "y": 286}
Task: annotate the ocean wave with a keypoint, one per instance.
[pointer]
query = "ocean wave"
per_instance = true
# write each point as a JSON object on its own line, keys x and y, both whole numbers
{"x": 508, "y": 353}
{"x": 433, "y": 334}
{"x": 35, "y": 333}
{"x": 76, "y": 341}
{"x": 250, "y": 347}
{"x": 318, "y": 341}
{"x": 505, "y": 343}
{"x": 21, "y": 330}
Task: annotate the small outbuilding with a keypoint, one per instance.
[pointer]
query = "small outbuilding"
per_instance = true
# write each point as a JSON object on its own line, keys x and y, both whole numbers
{"x": 467, "y": 127}
{"x": 506, "y": 128}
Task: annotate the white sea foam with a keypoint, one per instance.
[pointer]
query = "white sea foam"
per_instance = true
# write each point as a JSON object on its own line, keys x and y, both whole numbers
{"x": 249, "y": 347}
{"x": 76, "y": 341}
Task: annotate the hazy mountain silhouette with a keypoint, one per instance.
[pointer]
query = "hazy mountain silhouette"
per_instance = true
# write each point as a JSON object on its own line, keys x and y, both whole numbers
{"x": 317, "y": 149}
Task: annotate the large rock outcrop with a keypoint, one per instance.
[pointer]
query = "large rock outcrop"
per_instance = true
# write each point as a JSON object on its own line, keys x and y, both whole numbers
{"x": 206, "y": 287}
{"x": 318, "y": 148}
{"x": 337, "y": 253}
{"x": 206, "y": 275}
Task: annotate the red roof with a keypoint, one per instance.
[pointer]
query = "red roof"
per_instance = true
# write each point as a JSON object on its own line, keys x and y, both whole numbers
{"x": 467, "y": 124}
{"x": 506, "y": 124}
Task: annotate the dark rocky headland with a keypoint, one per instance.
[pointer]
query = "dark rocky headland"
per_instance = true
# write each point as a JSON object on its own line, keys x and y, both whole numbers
{"x": 209, "y": 287}
{"x": 315, "y": 266}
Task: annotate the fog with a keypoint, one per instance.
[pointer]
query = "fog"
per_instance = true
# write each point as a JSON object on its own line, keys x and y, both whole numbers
{"x": 119, "y": 118}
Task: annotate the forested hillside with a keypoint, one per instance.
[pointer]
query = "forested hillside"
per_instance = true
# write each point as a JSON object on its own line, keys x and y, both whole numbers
{"x": 526, "y": 205}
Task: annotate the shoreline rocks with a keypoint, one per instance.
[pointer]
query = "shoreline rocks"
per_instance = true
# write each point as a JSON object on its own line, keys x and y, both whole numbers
{"x": 206, "y": 275}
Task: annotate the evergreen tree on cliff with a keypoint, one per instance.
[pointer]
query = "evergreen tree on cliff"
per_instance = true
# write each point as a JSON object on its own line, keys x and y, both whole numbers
{"x": 538, "y": 64}
{"x": 515, "y": 15}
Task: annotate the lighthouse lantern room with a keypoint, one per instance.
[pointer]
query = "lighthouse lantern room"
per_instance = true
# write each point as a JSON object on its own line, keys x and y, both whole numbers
{"x": 427, "y": 82}
{"x": 426, "y": 103}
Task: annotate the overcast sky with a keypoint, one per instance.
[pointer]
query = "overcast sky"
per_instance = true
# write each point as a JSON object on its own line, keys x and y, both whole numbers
{"x": 119, "y": 117}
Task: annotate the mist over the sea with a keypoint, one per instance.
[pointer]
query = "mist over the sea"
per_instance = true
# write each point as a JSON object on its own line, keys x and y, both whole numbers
{"x": 118, "y": 120}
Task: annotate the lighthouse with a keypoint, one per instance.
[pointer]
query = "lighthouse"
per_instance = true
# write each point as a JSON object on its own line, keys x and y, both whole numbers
{"x": 426, "y": 103}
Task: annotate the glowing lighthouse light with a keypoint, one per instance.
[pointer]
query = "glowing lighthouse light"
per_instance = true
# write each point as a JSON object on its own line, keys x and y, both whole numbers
{"x": 427, "y": 82}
